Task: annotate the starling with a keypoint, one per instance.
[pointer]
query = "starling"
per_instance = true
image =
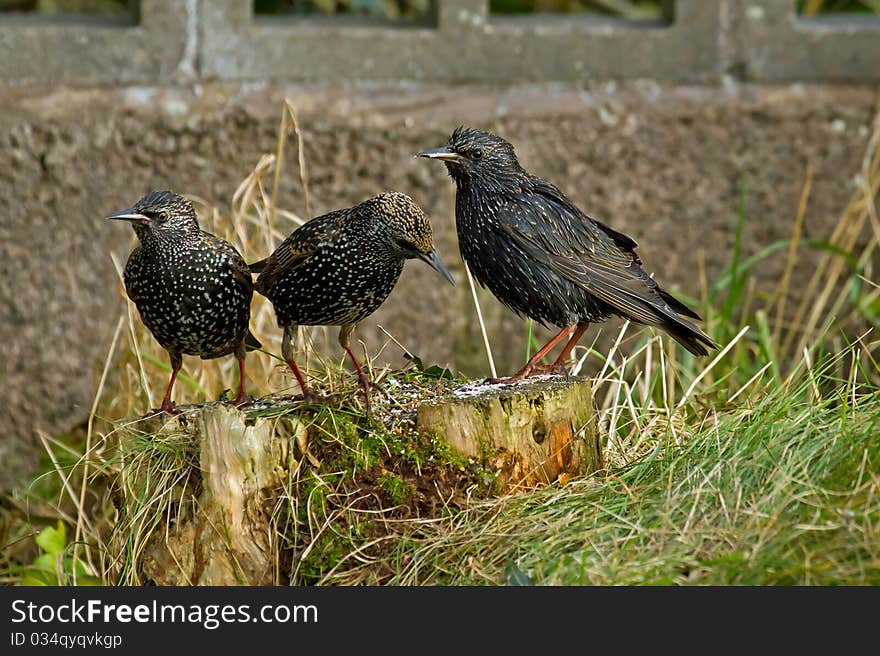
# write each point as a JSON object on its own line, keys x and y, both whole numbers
{"x": 543, "y": 257}
{"x": 338, "y": 268}
{"x": 193, "y": 290}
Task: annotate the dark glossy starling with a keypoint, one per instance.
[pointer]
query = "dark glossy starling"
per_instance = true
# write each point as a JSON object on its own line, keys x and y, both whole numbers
{"x": 193, "y": 290}
{"x": 338, "y": 268}
{"x": 543, "y": 258}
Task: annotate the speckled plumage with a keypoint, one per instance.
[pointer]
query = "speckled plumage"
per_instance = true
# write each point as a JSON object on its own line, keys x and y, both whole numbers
{"x": 542, "y": 256}
{"x": 192, "y": 289}
{"x": 337, "y": 269}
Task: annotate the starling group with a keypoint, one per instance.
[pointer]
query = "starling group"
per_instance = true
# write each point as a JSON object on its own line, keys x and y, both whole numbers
{"x": 543, "y": 257}
{"x": 521, "y": 237}
{"x": 338, "y": 268}
{"x": 192, "y": 289}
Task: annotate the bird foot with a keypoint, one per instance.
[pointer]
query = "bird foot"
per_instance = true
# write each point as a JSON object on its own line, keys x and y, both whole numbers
{"x": 310, "y": 396}
{"x": 528, "y": 372}
{"x": 242, "y": 400}
{"x": 544, "y": 369}
{"x": 166, "y": 408}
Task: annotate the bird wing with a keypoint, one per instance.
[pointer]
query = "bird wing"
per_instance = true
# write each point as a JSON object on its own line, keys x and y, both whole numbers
{"x": 550, "y": 229}
{"x": 240, "y": 270}
{"x": 296, "y": 249}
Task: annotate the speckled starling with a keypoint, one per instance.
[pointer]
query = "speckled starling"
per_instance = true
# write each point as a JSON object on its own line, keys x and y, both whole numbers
{"x": 338, "y": 268}
{"x": 192, "y": 289}
{"x": 543, "y": 257}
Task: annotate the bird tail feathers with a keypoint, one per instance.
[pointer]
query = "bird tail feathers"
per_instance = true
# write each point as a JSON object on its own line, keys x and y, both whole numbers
{"x": 678, "y": 306}
{"x": 689, "y": 336}
{"x": 663, "y": 315}
{"x": 666, "y": 317}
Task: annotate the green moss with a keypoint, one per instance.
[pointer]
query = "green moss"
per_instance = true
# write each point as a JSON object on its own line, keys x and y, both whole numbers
{"x": 397, "y": 489}
{"x": 367, "y": 465}
{"x": 354, "y": 443}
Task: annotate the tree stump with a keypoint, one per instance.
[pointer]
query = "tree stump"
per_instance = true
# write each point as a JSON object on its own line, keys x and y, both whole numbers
{"x": 531, "y": 432}
{"x": 222, "y": 534}
{"x": 207, "y": 498}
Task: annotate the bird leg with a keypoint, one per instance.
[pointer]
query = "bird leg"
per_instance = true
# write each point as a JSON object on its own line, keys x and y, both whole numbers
{"x": 287, "y": 350}
{"x": 533, "y": 366}
{"x": 242, "y": 398}
{"x": 176, "y": 364}
{"x": 345, "y": 341}
{"x": 362, "y": 379}
{"x": 561, "y": 361}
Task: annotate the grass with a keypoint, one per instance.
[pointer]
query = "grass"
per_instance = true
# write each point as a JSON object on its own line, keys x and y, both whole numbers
{"x": 757, "y": 466}
{"x": 783, "y": 491}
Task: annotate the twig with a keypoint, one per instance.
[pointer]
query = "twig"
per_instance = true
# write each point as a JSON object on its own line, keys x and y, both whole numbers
{"x": 482, "y": 323}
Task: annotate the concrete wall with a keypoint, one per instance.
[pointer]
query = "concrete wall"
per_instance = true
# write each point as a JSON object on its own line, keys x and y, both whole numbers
{"x": 201, "y": 40}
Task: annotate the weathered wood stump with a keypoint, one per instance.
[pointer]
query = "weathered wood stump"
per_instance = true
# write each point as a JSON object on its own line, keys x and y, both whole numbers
{"x": 200, "y": 495}
{"x": 221, "y": 536}
{"x": 532, "y": 432}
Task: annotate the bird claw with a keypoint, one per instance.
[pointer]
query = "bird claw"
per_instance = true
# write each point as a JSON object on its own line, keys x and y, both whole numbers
{"x": 543, "y": 369}
{"x": 168, "y": 409}
{"x": 534, "y": 370}
{"x": 241, "y": 400}
{"x": 317, "y": 399}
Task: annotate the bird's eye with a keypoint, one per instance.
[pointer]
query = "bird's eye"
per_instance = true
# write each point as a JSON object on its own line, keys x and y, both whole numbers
{"x": 403, "y": 244}
{"x": 477, "y": 153}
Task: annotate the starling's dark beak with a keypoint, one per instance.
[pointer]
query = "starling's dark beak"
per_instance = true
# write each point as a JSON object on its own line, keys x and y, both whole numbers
{"x": 442, "y": 153}
{"x": 130, "y": 215}
{"x": 434, "y": 260}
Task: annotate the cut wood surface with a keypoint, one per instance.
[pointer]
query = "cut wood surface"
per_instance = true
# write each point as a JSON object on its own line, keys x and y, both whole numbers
{"x": 533, "y": 432}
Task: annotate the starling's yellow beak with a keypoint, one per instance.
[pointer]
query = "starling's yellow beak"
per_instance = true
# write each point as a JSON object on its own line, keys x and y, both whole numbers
{"x": 129, "y": 215}
{"x": 443, "y": 153}
{"x": 434, "y": 260}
